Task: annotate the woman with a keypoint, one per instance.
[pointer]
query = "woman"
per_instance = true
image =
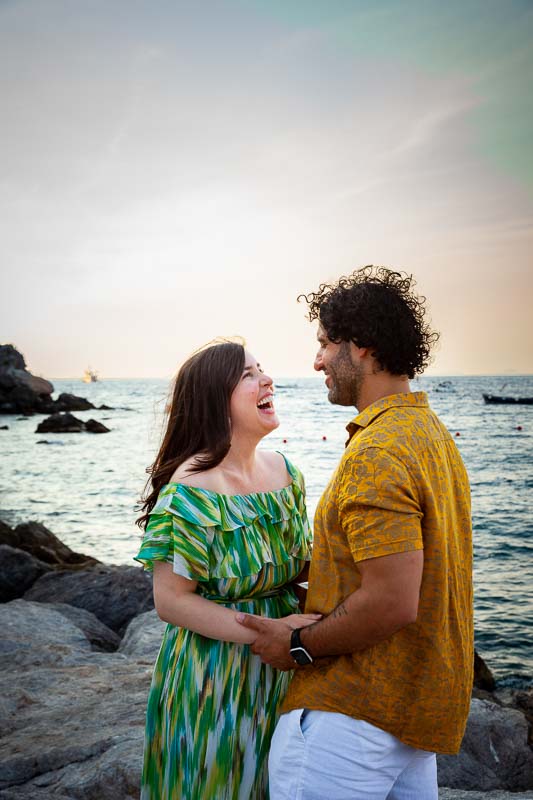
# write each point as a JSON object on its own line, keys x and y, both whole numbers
{"x": 225, "y": 531}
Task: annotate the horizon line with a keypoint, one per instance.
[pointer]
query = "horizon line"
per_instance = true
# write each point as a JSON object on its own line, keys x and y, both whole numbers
{"x": 293, "y": 377}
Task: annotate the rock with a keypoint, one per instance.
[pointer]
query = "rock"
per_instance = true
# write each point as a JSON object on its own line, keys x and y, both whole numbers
{"x": 71, "y": 402}
{"x": 105, "y": 408}
{"x": 10, "y": 358}
{"x": 92, "y": 426}
{"x": 34, "y": 635}
{"x": 113, "y": 594}
{"x": 61, "y": 423}
{"x": 4, "y": 427}
{"x": 99, "y": 635}
{"x": 143, "y": 636}
{"x": 75, "y": 732}
{"x": 64, "y": 422}
{"x": 483, "y": 677}
{"x": 521, "y": 699}
{"x": 18, "y": 571}
{"x": 38, "y": 385}
{"x": 494, "y": 754}
{"x": 524, "y": 701}
{"x": 24, "y": 393}
{"x": 34, "y": 538}
{"x": 19, "y": 398}
{"x": 20, "y": 391}
{"x": 73, "y": 727}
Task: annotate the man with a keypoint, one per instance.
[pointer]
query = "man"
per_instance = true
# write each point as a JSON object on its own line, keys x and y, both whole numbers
{"x": 382, "y": 682}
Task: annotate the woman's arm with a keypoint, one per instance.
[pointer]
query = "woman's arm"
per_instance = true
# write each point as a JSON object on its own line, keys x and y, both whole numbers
{"x": 176, "y": 602}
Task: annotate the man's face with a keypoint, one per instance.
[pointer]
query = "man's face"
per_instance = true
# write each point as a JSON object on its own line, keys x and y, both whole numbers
{"x": 342, "y": 368}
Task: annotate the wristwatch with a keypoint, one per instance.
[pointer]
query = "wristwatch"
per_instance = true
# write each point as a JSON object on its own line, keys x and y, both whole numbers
{"x": 298, "y": 651}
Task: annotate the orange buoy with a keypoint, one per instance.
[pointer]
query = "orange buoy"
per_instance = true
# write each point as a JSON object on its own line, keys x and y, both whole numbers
{"x": 518, "y": 427}
{"x": 323, "y": 438}
{"x": 284, "y": 441}
{"x": 457, "y": 433}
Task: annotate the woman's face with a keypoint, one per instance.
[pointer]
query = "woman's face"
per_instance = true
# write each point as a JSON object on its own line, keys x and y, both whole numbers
{"x": 252, "y": 402}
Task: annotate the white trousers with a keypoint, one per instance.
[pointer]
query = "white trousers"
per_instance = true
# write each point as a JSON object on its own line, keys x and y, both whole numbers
{"x": 319, "y": 755}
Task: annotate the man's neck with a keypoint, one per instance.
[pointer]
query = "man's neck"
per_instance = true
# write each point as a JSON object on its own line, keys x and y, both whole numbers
{"x": 379, "y": 385}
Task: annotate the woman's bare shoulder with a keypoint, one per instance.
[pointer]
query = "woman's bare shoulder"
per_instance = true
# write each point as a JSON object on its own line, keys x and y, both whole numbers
{"x": 276, "y": 464}
{"x": 185, "y": 475}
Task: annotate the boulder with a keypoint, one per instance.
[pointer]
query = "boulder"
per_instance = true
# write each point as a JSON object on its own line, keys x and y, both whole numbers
{"x": 4, "y": 427}
{"x": 99, "y": 635}
{"x": 494, "y": 754}
{"x": 71, "y": 402}
{"x": 483, "y": 677}
{"x": 64, "y": 422}
{"x": 73, "y": 727}
{"x": 143, "y": 637}
{"x": 61, "y": 423}
{"x": 20, "y": 391}
{"x": 38, "y": 385}
{"x": 93, "y": 426}
{"x": 522, "y": 699}
{"x": 113, "y": 594}
{"x": 34, "y": 538}
{"x": 18, "y": 571}
{"x": 33, "y": 635}
{"x": 20, "y": 399}
{"x": 10, "y": 359}
{"x": 24, "y": 393}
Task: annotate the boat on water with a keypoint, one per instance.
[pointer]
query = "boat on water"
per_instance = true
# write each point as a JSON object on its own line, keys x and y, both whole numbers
{"x": 444, "y": 386}
{"x": 495, "y": 399}
{"x": 90, "y": 376}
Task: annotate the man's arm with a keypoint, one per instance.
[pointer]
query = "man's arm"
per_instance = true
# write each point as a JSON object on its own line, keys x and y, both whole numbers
{"x": 385, "y": 603}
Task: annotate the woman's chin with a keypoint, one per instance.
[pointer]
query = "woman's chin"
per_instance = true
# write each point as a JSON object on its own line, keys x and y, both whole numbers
{"x": 269, "y": 422}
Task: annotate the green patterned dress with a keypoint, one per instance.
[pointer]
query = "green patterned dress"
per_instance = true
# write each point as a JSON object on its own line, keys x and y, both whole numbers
{"x": 213, "y": 705}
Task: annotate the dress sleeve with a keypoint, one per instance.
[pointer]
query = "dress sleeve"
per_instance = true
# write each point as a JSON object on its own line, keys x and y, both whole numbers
{"x": 379, "y": 508}
{"x": 183, "y": 544}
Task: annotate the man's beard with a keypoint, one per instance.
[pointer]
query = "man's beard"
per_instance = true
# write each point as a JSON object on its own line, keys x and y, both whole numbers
{"x": 347, "y": 380}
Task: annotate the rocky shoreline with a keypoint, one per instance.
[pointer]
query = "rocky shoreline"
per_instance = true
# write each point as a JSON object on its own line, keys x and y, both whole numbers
{"x": 26, "y": 394}
{"x": 79, "y": 639}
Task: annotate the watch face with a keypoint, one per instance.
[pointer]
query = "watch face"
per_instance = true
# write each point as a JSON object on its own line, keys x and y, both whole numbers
{"x": 301, "y": 656}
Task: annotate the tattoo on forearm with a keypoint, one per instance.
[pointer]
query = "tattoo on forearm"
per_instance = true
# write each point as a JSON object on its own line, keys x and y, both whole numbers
{"x": 340, "y": 611}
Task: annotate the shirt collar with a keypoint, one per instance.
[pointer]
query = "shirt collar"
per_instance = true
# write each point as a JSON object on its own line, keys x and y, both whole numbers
{"x": 410, "y": 399}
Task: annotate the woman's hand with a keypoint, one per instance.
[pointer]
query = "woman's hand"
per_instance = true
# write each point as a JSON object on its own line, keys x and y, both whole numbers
{"x": 301, "y": 620}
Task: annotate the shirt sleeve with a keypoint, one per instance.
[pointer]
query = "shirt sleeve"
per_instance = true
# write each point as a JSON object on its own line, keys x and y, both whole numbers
{"x": 379, "y": 510}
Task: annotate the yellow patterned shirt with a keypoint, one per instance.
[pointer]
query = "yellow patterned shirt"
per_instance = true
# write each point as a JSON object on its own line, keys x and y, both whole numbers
{"x": 401, "y": 485}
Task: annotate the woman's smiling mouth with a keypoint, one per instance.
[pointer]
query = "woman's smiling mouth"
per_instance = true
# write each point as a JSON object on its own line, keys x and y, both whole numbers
{"x": 266, "y": 404}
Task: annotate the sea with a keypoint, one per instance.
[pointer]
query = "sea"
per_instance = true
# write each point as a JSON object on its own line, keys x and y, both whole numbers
{"x": 86, "y": 487}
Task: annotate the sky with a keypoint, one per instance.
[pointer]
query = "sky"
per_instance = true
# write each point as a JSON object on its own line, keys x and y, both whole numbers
{"x": 175, "y": 171}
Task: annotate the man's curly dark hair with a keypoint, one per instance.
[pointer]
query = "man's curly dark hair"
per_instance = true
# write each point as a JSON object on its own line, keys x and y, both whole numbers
{"x": 375, "y": 307}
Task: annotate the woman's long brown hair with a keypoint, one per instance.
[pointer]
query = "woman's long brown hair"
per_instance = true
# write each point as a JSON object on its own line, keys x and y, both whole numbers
{"x": 199, "y": 421}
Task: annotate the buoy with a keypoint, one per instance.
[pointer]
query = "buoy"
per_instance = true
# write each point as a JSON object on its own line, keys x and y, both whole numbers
{"x": 457, "y": 433}
{"x": 324, "y": 438}
{"x": 518, "y": 427}
{"x": 284, "y": 441}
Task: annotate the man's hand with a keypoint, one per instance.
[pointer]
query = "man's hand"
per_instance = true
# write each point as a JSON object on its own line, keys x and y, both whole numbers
{"x": 273, "y": 639}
